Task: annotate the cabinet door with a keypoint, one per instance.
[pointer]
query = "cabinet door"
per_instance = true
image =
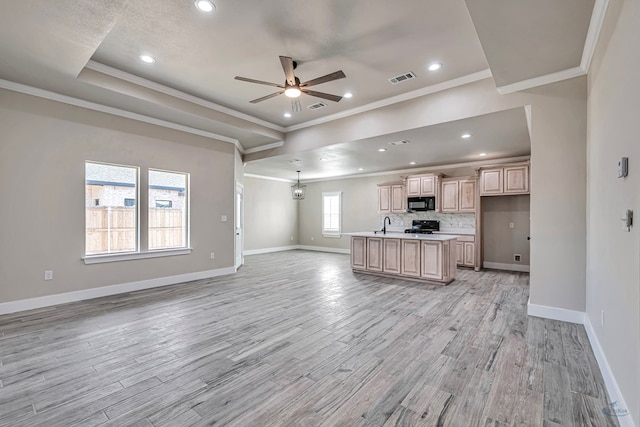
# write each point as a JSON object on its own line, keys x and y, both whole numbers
{"x": 391, "y": 257}
{"x": 384, "y": 199}
{"x": 410, "y": 264}
{"x": 469, "y": 254}
{"x": 431, "y": 260}
{"x": 516, "y": 179}
{"x": 491, "y": 182}
{"x": 467, "y": 196}
{"x": 374, "y": 254}
{"x": 460, "y": 253}
{"x": 398, "y": 199}
{"x": 450, "y": 196}
{"x": 358, "y": 253}
{"x": 427, "y": 186}
{"x": 413, "y": 187}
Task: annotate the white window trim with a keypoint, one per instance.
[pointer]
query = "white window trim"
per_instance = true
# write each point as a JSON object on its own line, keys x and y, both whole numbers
{"x": 128, "y": 256}
{"x": 332, "y": 233}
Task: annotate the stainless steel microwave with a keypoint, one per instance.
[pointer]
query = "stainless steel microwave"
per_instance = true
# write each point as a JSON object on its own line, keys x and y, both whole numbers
{"x": 421, "y": 204}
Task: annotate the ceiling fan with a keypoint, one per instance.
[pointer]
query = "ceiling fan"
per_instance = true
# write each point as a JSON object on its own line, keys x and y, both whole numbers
{"x": 292, "y": 87}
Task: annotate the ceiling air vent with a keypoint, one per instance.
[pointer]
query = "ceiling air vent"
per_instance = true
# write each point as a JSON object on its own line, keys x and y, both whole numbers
{"x": 317, "y": 105}
{"x": 402, "y": 77}
{"x": 403, "y": 142}
{"x": 295, "y": 161}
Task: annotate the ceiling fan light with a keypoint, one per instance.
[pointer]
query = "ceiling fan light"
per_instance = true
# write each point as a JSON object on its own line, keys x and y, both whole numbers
{"x": 292, "y": 92}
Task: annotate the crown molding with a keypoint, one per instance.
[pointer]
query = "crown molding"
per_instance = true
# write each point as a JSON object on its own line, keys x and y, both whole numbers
{"x": 449, "y": 84}
{"x": 593, "y": 35}
{"x": 132, "y": 78}
{"x": 54, "y": 96}
{"x": 590, "y": 43}
{"x": 264, "y": 147}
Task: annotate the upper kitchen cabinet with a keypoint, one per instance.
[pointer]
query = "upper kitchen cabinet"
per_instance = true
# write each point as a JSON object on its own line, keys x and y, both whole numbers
{"x": 421, "y": 185}
{"x": 392, "y": 198}
{"x": 458, "y": 195}
{"x": 504, "y": 180}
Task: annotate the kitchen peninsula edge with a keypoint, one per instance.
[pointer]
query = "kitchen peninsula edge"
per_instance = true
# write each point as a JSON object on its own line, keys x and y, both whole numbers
{"x": 421, "y": 257}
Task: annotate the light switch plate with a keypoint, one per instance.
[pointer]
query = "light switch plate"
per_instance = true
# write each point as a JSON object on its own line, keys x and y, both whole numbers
{"x": 623, "y": 167}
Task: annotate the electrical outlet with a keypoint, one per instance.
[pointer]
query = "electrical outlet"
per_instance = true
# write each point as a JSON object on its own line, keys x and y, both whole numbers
{"x": 311, "y": 237}
{"x": 48, "y": 275}
{"x": 517, "y": 257}
{"x": 223, "y": 218}
{"x": 292, "y": 238}
{"x": 511, "y": 225}
{"x": 601, "y": 317}
{"x": 213, "y": 255}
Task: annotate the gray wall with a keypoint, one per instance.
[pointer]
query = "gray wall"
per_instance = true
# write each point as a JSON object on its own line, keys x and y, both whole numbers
{"x": 613, "y": 255}
{"x": 270, "y": 214}
{"x": 42, "y": 153}
{"x": 500, "y": 242}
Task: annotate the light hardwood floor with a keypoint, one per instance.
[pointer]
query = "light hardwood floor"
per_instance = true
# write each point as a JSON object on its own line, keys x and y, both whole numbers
{"x": 297, "y": 339}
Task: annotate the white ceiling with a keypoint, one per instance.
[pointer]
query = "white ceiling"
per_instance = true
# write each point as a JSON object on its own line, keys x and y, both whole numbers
{"x": 89, "y": 50}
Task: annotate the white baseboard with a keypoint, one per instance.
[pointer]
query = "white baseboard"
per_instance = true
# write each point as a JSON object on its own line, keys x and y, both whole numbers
{"x": 507, "y": 267}
{"x": 269, "y": 250}
{"x": 49, "y": 300}
{"x": 610, "y": 381}
{"x": 554, "y": 313}
{"x": 323, "y": 249}
{"x": 293, "y": 247}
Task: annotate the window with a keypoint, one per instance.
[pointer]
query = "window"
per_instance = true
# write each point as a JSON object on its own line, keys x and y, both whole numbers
{"x": 110, "y": 226}
{"x": 168, "y": 195}
{"x": 331, "y": 212}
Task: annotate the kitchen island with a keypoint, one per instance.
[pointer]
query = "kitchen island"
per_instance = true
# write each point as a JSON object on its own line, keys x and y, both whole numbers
{"x": 422, "y": 257}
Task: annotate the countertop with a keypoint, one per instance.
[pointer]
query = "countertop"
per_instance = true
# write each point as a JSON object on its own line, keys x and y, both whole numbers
{"x": 396, "y": 235}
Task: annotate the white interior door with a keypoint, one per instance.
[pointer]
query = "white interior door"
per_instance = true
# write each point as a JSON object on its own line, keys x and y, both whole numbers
{"x": 239, "y": 223}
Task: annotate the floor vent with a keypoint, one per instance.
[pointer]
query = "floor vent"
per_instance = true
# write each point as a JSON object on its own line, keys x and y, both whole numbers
{"x": 395, "y": 143}
{"x": 317, "y": 105}
{"x": 402, "y": 77}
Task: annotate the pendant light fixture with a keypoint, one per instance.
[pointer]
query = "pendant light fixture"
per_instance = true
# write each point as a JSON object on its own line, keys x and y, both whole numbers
{"x": 298, "y": 190}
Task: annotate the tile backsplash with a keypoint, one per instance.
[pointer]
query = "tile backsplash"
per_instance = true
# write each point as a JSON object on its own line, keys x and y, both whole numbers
{"x": 447, "y": 220}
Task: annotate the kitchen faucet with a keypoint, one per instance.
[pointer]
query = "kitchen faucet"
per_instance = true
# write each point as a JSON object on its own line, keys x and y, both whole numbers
{"x": 384, "y": 224}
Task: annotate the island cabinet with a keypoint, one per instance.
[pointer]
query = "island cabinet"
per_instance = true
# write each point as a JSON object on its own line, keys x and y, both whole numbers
{"x": 458, "y": 195}
{"x": 359, "y": 253}
{"x": 504, "y": 180}
{"x": 391, "y": 198}
{"x": 411, "y": 256}
{"x": 421, "y": 185}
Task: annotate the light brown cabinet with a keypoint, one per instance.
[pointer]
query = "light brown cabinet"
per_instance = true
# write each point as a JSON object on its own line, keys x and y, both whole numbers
{"x": 421, "y": 186}
{"x": 504, "y": 180}
{"x": 391, "y": 256}
{"x": 374, "y": 254}
{"x": 438, "y": 260}
{"x": 359, "y": 253}
{"x": 458, "y": 195}
{"x": 410, "y": 263}
{"x": 391, "y": 198}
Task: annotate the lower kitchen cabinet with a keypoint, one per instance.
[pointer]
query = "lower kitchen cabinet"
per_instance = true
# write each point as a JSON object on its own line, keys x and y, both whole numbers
{"x": 374, "y": 254}
{"x": 391, "y": 256}
{"x": 359, "y": 253}
{"x": 466, "y": 254}
{"x": 410, "y": 264}
{"x": 431, "y": 261}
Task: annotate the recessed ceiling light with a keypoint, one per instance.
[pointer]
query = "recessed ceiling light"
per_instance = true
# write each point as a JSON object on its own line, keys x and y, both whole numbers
{"x": 465, "y": 136}
{"x": 435, "y": 66}
{"x": 323, "y": 159}
{"x": 287, "y": 115}
{"x": 412, "y": 163}
{"x": 382, "y": 149}
{"x": 348, "y": 95}
{"x": 360, "y": 169}
{"x": 482, "y": 154}
{"x": 205, "y": 6}
{"x": 147, "y": 58}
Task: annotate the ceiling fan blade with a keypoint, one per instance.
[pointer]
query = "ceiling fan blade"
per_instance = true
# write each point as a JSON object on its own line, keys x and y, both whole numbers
{"x": 287, "y": 66}
{"x": 328, "y": 78}
{"x": 264, "y": 98}
{"x": 260, "y": 82}
{"x": 322, "y": 95}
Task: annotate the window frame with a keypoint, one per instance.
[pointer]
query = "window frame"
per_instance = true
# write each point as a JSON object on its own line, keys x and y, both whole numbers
{"x": 332, "y": 232}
